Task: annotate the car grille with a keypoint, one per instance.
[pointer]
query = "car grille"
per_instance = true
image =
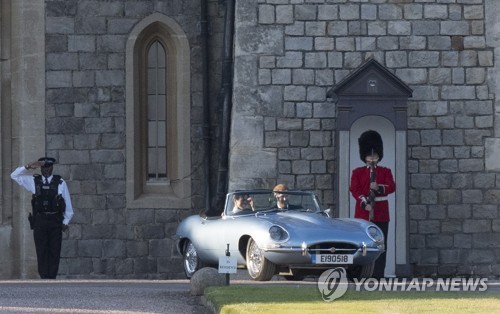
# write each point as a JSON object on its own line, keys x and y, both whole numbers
{"x": 333, "y": 247}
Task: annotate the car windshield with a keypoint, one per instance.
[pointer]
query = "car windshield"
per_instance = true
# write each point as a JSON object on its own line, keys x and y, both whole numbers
{"x": 250, "y": 202}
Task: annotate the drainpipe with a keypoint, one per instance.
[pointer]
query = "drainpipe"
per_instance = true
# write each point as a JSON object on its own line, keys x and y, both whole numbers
{"x": 206, "y": 104}
{"x": 226, "y": 98}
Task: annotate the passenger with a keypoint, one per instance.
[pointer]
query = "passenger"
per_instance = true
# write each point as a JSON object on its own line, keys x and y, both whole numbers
{"x": 242, "y": 202}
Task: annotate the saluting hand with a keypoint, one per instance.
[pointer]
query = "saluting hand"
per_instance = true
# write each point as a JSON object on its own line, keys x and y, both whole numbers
{"x": 35, "y": 164}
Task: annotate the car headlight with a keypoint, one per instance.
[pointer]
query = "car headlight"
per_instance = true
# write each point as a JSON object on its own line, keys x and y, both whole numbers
{"x": 277, "y": 233}
{"x": 375, "y": 233}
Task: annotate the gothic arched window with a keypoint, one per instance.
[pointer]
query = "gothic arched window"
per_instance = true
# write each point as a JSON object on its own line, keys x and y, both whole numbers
{"x": 156, "y": 113}
{"x": 158, "y": 118}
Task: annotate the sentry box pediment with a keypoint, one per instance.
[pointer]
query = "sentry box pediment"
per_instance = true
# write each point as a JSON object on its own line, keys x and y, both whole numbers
{"x": 371, "y": 89}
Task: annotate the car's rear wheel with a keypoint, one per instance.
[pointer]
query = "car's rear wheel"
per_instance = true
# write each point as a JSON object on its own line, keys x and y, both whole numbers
{"x": 361, "y": 271}
{"x": 190, "y": 259}
{"x": 258, "y": 267}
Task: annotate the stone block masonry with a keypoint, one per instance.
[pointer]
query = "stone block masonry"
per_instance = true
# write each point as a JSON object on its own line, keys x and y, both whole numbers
{"x": 85, "y": 45}
{"x": 288, "y": 54}
{"x": 444, "y": 50}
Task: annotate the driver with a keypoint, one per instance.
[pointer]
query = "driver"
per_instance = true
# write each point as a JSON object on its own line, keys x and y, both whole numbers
{"x": 282, "y": 198}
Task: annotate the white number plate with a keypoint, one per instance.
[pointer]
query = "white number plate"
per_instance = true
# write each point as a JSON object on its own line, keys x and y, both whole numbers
{"x": 332, "y": 259}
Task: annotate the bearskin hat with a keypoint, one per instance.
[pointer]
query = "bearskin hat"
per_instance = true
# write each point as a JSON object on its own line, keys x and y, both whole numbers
{"x": 370, "y": 141}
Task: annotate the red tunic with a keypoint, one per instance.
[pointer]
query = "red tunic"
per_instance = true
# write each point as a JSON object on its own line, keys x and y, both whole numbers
{"x": 360, "y": 187}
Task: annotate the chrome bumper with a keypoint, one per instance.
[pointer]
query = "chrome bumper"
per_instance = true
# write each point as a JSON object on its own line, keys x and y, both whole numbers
{"x": 303, "y": 249}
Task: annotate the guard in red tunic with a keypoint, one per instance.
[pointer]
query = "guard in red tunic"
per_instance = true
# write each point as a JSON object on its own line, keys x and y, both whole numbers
{"x": 370, "y": 185}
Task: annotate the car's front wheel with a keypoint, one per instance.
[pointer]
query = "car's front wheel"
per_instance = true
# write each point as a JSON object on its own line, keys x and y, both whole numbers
{"x": 258, "y": 267}
{"x": 190, "y": 259}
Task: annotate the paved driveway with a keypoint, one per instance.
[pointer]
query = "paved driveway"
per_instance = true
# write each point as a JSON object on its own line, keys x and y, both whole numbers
{"x": 98, "y": 296}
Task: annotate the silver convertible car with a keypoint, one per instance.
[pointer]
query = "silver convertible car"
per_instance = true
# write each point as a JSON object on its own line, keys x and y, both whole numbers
{"x": 283, "y": 233}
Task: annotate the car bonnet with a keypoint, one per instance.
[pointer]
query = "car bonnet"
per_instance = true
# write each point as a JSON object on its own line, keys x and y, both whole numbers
{"x": 315, "y": 223}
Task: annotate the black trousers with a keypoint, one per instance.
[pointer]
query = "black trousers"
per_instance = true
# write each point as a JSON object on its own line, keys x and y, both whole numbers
{"x": 379, "y": 270}
{"x": 48, "y": 238}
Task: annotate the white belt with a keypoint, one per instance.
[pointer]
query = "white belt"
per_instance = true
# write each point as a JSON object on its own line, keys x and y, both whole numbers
{"x": 381, "y": 198}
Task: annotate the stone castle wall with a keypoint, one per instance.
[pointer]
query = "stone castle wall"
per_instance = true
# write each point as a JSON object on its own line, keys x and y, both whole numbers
{"x": 289, "y": 53}
{"x": 86, "y": 131}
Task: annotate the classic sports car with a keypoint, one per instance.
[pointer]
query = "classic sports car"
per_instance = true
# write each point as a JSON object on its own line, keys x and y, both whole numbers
{"x": 283, "y": 233}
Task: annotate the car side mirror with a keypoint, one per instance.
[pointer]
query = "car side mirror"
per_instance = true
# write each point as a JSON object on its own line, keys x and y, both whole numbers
{"x": 328, "y": 212}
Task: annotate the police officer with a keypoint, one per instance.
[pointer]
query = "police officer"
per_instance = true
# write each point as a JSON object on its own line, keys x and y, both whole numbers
{"x": 52, "y": 212}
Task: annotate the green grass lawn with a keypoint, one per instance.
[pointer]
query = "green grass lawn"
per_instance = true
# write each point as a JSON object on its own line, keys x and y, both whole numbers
{"x": 307, "y": 299}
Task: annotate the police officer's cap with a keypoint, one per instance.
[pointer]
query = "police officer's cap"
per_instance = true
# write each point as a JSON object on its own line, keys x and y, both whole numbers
{"x": 48, "y": 161}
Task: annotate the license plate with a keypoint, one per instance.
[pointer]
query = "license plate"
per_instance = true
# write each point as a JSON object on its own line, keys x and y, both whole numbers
{"x": 332, "y": 259}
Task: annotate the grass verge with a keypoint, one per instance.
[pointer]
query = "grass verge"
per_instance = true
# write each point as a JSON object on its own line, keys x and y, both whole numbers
{"x": 307, "y": 299}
